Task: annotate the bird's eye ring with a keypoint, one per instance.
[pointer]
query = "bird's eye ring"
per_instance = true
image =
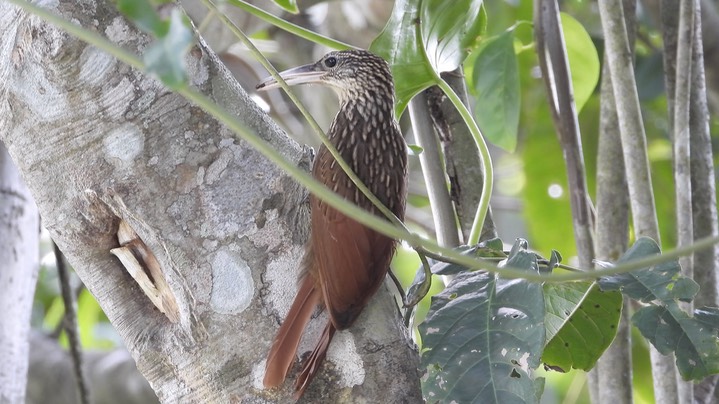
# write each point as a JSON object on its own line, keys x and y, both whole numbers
{"x": 331, "y": 61}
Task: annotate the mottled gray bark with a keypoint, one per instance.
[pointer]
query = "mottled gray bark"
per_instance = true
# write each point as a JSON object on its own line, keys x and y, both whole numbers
{"x": 19, "y": 263}
{"x": 98, "y": 141}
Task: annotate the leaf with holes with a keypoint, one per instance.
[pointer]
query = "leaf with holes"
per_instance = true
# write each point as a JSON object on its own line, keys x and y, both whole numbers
{"x": 693, "y": 340}
{"x": 483, "y": 338}
{"x": 581, "y": 323}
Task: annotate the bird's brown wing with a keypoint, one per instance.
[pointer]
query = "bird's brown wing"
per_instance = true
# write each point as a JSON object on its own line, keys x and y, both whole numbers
{"x": 351, "y": 262}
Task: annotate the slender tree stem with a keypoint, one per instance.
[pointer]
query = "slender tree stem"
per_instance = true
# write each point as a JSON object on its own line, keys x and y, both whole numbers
{"x": 445, "y": 221}
{"x": 71, "y": 326}
{"x": 633, "y": 136}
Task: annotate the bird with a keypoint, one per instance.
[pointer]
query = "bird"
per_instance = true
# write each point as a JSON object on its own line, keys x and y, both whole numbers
{"x": 344, "y": 262}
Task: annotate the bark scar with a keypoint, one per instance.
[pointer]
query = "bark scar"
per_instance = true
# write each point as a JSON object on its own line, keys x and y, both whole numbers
{"x": 141, "y": 264}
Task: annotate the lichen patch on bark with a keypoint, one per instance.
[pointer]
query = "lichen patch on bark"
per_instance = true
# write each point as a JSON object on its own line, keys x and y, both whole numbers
{"x": 232, "y": 284}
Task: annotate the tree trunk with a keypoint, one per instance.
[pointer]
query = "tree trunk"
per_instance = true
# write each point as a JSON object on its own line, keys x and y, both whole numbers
{"x": 19, "y": 255}
{"x": 99, "y": 142}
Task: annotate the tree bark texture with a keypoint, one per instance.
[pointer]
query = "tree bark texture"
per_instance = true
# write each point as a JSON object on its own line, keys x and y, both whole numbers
{"x": 98, "y": 142}
{"x": 19, "y": 263}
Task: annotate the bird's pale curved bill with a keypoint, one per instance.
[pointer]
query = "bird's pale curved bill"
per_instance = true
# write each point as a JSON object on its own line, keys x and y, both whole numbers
{"x": 297, "y": 75}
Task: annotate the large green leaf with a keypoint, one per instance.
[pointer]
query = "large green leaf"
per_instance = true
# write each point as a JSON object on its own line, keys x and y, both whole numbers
{"x": 449, "y": 30}
{"x": 581, "y": 323}
{"x": 422, "y": 35}
{"x": 660, "y": 282}
{"x": 400, "y": 44}
{"x": 495, "y": 81}
{"x": 583, "y": 59}
{"x": 483, "y": 337}
{"x": 694, "y": 340}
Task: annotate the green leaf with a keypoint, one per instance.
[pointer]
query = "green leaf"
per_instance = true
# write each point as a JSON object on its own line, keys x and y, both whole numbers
{"x": 583, "y": 59}
{"x": 495, "y": 81}
{"x": 422, "y": 35}
{"x": 693, "y": 340}
{"x": 165, "y": 58}
{"x": 418, "y": 201}
{"x": 648, "y": 284}
{"x": 143, "y": 14}
{"x": 414, "y": 149}
{"x": 493, "y": 244}
{"x": 483, "y": 337}
{"x": 449, "y": 29}
{"x": 400, "y": 45}
{"x": 581, "y": 323}
{"x": 288, "y": 5}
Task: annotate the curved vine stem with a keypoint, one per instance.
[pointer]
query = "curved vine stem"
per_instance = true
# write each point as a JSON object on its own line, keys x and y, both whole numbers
{"x": 487, "y": 170}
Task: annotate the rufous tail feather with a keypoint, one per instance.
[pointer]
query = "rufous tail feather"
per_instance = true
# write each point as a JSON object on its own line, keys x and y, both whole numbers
{"x": 312, "y": 366}
{"x": 284, "y": 347}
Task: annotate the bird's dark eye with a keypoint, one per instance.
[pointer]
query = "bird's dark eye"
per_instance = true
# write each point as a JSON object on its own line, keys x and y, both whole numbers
{"x": 331, "y": 61}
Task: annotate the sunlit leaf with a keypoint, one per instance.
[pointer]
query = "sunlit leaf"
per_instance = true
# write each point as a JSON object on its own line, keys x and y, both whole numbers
{"x": 422, "y": 35}
{"x": 449, "y": 29}
{"x": 288, "y": 5}
{"x": 581, "y": 323}
{"x": 583, "y": 59}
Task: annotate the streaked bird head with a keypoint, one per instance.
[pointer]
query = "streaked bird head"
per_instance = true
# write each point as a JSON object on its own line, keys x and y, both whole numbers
{"x": 354, "y": 74}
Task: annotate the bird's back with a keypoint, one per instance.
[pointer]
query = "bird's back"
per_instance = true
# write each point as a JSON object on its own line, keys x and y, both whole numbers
{"x": 354, "y": 259}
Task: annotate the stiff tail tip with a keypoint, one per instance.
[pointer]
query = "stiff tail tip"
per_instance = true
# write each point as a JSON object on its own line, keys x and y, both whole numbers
{"x": 312, "y": 366}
